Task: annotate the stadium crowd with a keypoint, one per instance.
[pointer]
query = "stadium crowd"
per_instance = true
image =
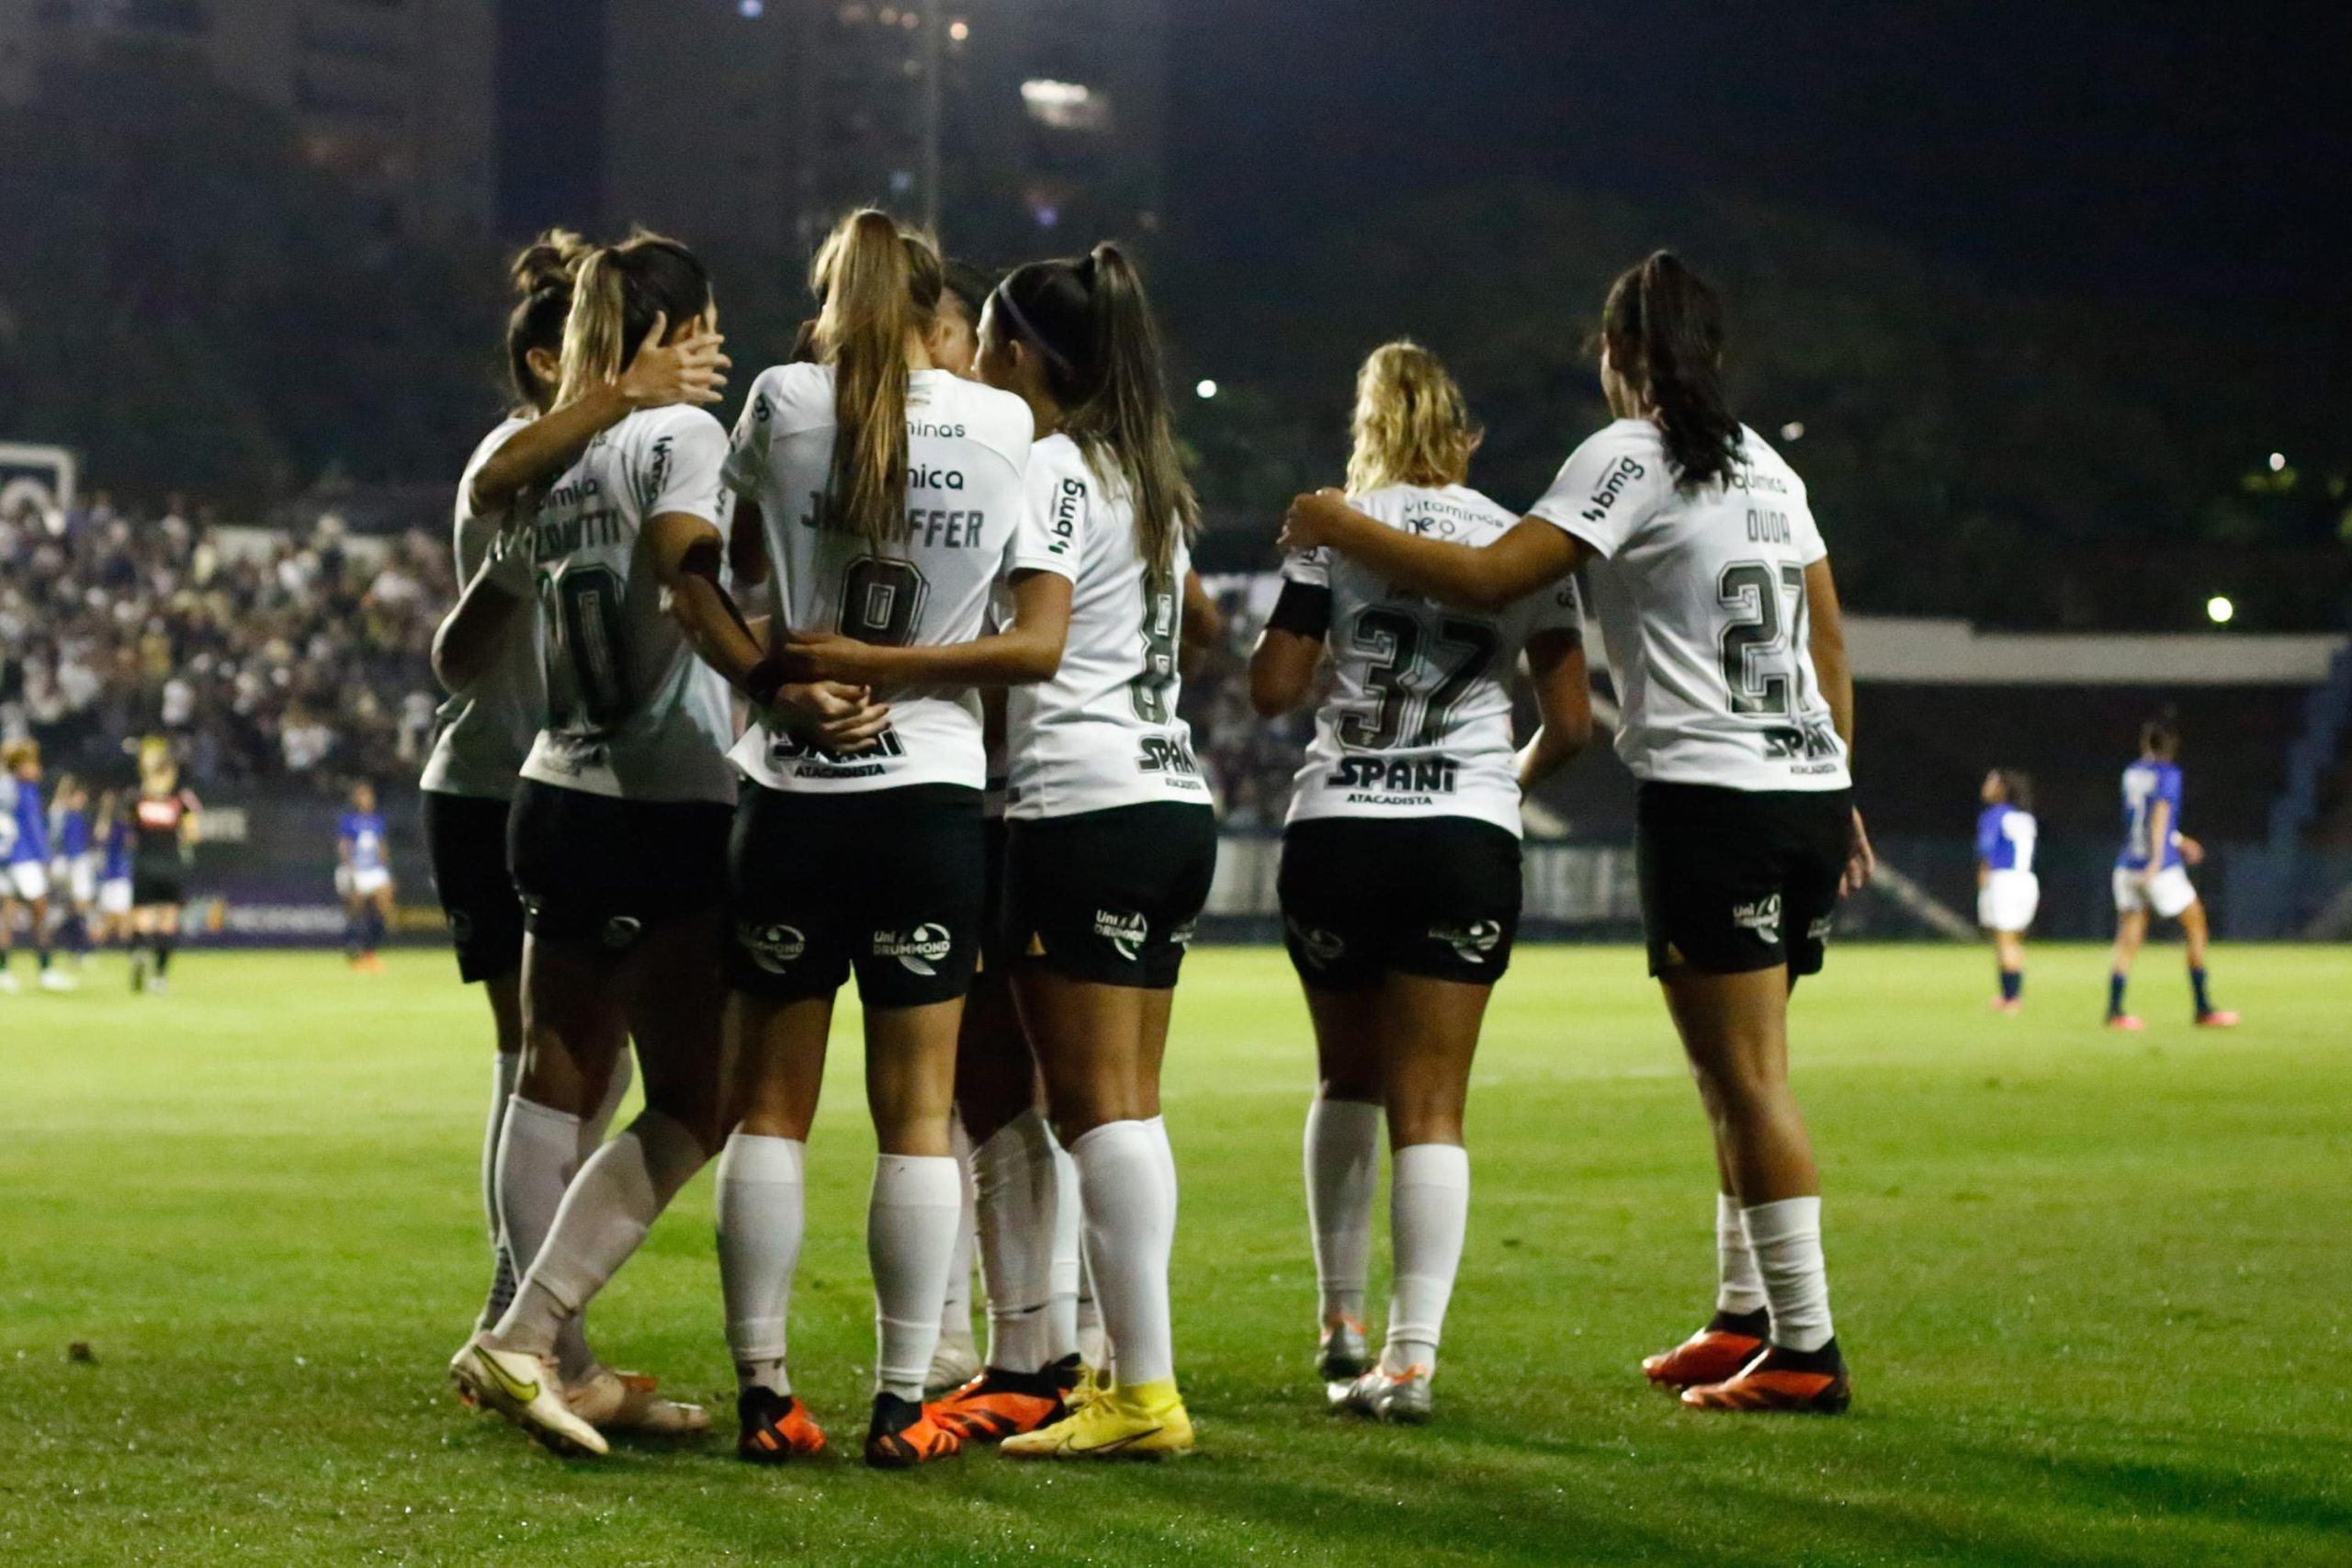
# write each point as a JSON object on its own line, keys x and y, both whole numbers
{"x": 261, "y": 655}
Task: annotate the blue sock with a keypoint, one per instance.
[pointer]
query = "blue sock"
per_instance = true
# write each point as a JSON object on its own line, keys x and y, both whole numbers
{"x": 2115, "y": 996}
{"x": 2012, "y": 982}
{"x": 2196, "y": 984}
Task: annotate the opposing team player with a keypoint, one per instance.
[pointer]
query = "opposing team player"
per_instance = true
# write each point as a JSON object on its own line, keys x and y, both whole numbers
{"x": 2151, "y": 873}
{"x": 24, "y": 862}
{"x": 617, "y": 835}
{"x": 73, "y": 873}
{"x": 891, "y": 495}
{"x": 2007, "y": 890}
{"x": 1400, "y": 874}
{"x": 116, "y": 836}
{"x": 363, "y": 879}
{"x": 1715, "y": 599}
{"x": 487, "y": 654}
{"x": 167, "y": 823}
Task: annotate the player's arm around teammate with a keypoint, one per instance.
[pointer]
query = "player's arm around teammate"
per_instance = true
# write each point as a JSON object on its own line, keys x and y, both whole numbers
{"x": 1723, "y": 624}
{"x": 1401, "y": 870}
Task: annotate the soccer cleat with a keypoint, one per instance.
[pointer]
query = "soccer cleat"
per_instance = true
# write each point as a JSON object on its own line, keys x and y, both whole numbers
{"x": 2217, "y": 1018}
{"x": 2126, "y": 1021}
{"x": 903, "y": 1435}
{"x": 58, "y": 980}
{"x": 1710, "y": 1356}
{"x": 953, "y": 1365}
{"x": 1344, "y": 1353}
{"x": 523, "y": 1388}
{"x": 1799, "y": 1389}
{"x": 1145, "y": 1422}
{"x": 2007, "y": 1004}
{"x": 1083, "y": 1386}
{"x": 998, "y": 1405}
{"x": 625, "y": 1402}
{"x": 775, "y": 1428}
{"x": 1399, "y": 1398}
{"x": 8, "y": 983}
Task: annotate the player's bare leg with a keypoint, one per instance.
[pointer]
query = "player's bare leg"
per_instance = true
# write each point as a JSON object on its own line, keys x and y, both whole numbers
{"x": 2194, "y": 933}
{"x": 2131, "y": 930}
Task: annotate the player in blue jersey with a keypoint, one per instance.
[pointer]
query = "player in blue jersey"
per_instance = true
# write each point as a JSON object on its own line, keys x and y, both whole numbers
{"x": 363, "y": 878}
{"x": 73, "y": 871}
{"x": 2152, "y": 873}
{"x": 116, "y": 840}
{"x": 2008, "y": 891}
{"x": 24, "y": 864}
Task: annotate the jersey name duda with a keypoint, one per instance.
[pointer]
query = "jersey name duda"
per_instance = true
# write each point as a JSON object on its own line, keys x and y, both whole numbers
{"x": 631, "y": 712}
{"x": 482, "y": 734}
{"x": 1417, "y": 722}
{"x": 1103, "y": 731}
{"x": 968, "y": 451}
{"x": 1701, "y": 596}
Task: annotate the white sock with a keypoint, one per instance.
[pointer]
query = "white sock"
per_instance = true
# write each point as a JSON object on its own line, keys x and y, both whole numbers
{"x": 1069, "y": 1271}
{"x": 1157, "y": 1127}
{"x": 760, "y": 1219}
{"x": 1342, "y": 1168}
{"x": 599, "y": 1121}
{"x": 606, "y": 1211}
{"x": 1015, "y": 1175}
{"x": 956, "y": 1313}
{"x": 506, "y": 1065}
{"x": 539, "y": 1150}
{"x": 1786, "y": 1237}
{"x": 1739, "y": 1287}
{"x": 910, "y": 1236}
{"x": 1429, "y": 1211}
{"x": 1130, "y": 1223}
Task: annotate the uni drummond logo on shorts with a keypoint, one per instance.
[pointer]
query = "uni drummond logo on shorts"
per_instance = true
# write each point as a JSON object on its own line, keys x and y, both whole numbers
{"x": 1763, "y": 917}
{"x": 772, "y": 948}
{"x": 918, "y": 949}
{"x": 1321, "y": 947}
{"x": 1125, "y": 932}
{"x": 1473, "y": 942}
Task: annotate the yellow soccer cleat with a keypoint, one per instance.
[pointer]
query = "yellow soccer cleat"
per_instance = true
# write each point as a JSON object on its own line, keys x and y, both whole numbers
{"x": 1147, "y": 1421}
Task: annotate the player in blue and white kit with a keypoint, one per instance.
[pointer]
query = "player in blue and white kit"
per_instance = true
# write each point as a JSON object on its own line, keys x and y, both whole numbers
{"x": 2008, "y": 891}
{"x": 24, "y": 864}
{"x": 74, "y": 870}
{"x": 2152, "y": 873}
{"x": 363, "y": 878}
{"x": 117, "y": 838}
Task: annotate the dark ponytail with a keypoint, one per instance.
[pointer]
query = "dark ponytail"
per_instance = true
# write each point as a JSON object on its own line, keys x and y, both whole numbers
{"x": 1664, "y": 330}
{"x": 542, "y": 272}
{"x": 1091, "y": 326}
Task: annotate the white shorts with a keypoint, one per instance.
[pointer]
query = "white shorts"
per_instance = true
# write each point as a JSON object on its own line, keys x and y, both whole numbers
{"x": 78, "y": 875}
{"x": 2167, "y": 893}
{"x": 29, "y": 879}
{"x": 365, "y": 884}
{"x": 113, "y": 896}
{"x": 2008, "y": 901}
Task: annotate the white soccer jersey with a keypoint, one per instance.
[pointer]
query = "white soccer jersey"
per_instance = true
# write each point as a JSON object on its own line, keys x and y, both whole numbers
{"x": 632, "y": 711}
{"x": 1417, "y": 722}
{"x": 1701, "y": 603}
{"x": 968, "y": 450}
{"x": 482, "y": 734}
{"x": 1103, "y": 731}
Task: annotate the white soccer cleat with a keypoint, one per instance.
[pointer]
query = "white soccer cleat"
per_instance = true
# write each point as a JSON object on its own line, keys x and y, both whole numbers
{"x": 617, "y": 1402}
{"x": 8, "y": 983}
{"x": 523, "y": 1388}
{"x": 952, "y": 1366}
{"x": 56, "y": 980}
{"x": 1398, "y": 1398}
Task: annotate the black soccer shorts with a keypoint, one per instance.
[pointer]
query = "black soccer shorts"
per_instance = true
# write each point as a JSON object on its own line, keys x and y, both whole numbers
{"x": 1110, "y": 896}
{"x": 464, "y": 837}
{"x": 592, "y": 869}
{"x": 1733, "y": 880}
{"x": 1437, "y": 897}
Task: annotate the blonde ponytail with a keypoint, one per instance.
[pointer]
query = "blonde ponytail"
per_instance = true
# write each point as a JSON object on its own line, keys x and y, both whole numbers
{"x": 1412, "y": 426}
{"x": 592, "y": 342}
{"x": 878, "y": 285}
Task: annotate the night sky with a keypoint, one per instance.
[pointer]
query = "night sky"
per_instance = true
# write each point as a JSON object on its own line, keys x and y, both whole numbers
{"x": 2162, "y": 150}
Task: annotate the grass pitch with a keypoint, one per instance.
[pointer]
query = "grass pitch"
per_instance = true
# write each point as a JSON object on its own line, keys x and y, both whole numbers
{"x": 2095, "y": 1288}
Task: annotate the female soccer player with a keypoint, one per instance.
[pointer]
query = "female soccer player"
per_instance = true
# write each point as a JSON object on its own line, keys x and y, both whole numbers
{"x": 487, "y": 654}
{"x": 74, "y": 874}
{"x": 1112, "y": 845}
{"x": 617, "y": 837}
{"x": 24, "y": 861}
{"x": 1721, "y": 617}
{"x": 891, "y": 493}
{"x": 2008, "y": 891}
{"x": 364, "y": 878}
{"x": 115, "y": 836}
{"x": 1401, "y": 876}
{"x": 2151, "y": 873}
{"x": 167, "y": 824}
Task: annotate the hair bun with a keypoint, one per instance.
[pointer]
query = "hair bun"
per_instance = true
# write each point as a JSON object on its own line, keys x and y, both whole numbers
{"x": 549, "y": 262}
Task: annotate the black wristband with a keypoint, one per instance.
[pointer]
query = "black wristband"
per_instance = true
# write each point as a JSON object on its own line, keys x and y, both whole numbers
{"x": 1302, "y": 609}
{"x": 765, "y": 681}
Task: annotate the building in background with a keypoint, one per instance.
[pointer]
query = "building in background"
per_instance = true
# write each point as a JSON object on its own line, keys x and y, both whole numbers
{"x": 394, "y": 96}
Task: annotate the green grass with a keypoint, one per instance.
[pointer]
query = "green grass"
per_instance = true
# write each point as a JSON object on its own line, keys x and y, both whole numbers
{"x": 2093, "y": 1286}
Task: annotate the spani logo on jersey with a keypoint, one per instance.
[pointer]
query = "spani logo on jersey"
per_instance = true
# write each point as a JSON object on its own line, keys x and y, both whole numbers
{"x": 811, "y": 760}
{"x": 1814, "y": 743}
{"x": 1396, "y": 781}
{"x": 1126, "y": 933}
{"x": 1166, "y": 754}
{"x": 1473, "y": 942}
{"x": 772, "y": 948}
{"x": 918, "y": 949}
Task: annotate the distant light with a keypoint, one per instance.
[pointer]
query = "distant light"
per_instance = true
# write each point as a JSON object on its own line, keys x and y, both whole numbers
{"x": 2218, "y": 610}
{"x": 888, "y": 16}
{"x": 959, "y": 30}
{"x": 1206, "y": 389}
{"x": 909, "y": 20}
{"x": 1048, "y": 216}
{"x": 751, "y": 9}
{"x": 2278, "y": 462}
{"x": 1066, "y": 106}
{"x": 1793, "y": 431}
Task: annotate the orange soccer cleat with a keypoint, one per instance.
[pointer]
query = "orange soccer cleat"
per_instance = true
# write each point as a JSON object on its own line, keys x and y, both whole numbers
{"x": 775, "y": 1428}
{"x": 1784, "y": 1382}
{"x": 2128, "y": 1022}
{"x": 1717, "y": 1352}
{"x": 998, "y": 1405}
{"x": 903, "y": 1435}
{"x": 2217, "y": 1018}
